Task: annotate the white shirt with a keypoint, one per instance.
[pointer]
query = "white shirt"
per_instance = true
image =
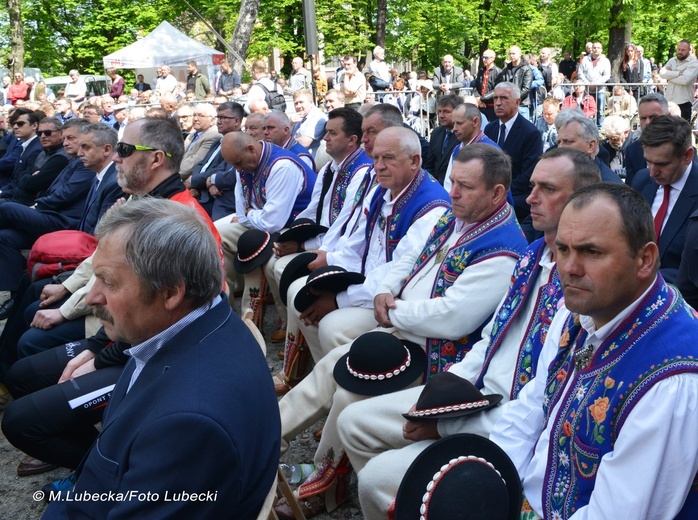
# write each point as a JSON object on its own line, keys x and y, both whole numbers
{"x": 676, "y": 188}
{"x": 419, "y": 316}
{"x": 499, "y": 378}
{"x": 649, "y": 472}
{"x": 284, "y": 183}
{"x": 376, "y": 267}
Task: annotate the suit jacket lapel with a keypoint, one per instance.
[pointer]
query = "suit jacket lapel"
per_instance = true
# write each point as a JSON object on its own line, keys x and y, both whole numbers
{"x": 682, "y": 210}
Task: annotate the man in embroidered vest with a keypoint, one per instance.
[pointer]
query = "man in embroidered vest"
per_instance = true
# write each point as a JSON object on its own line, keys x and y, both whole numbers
{"x": 603, "y": 430}
{"x": 437, "y": 295}
{"x": 394, "y": 217}
{"x": 380, "y": 444}
{"x": 276, "y": 129}
{"x": 272, "y": 187}
{"x": 466, "y": 127}
{"x": 340, "y": 181}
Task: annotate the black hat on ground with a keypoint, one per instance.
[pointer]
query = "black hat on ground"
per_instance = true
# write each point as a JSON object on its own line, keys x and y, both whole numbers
{"x": 301, "y": 230}
{"x": 254, "y": 248}
{"x": 296, "y": 268}
{"x": 447, "y": 395}
{"x": 328, "y": 278}
{"x": 460, "y": 477}
{"x": 379, "y": 363}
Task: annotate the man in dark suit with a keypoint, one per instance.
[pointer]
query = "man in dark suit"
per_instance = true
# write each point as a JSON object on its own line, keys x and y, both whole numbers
{"x": 687, "y": 279}
{"x": 519, "y": 138}
{"x": 442, "y": 140}
{"x": 448, "y": 78}
{"x": 670, "y": 186}
{"x": 199, "y": 433}
{"x": 649, "y": 107}
{"x": 24, "y": 123}
{"x": 140, "y": 85}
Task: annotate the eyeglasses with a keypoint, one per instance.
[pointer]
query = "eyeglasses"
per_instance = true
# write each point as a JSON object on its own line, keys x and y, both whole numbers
{"x": 19, "y": 123}
{"x": 199, "y": 116}
{"x": 185, "y": 117}
{"x": 223, "y": 118}
{"x": 124, "y": 150}
{"x": 47, "y": 133}
{"x": 488, "y": 57}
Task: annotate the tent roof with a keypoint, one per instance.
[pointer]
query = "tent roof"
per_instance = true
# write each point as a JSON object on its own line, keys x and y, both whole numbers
{"x": 164, "y": 46}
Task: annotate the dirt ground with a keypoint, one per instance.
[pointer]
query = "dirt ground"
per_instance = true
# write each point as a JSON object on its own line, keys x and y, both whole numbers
{"x": 16, "y": 494}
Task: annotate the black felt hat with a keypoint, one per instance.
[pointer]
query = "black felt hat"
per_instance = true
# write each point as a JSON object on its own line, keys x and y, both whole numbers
{"x": 379, "y": 363}
{"x": 296, "y": 268}
{"x": 447, "y": 395}
{"x": 301, "y": 230}
{"x": 328, "y": 278}
{"x": 254, "y": 248}
{"x": 460, "y": 477}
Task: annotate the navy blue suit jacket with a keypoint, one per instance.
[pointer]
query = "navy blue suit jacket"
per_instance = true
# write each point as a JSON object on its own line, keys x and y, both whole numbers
{"x": 7, "y": 161}
{"x": 107, "y": 194}
{"x": 673, "y": 237}
{"x": 439, "y": 156}
{"x": 687, "y": 279}
{"x": 224, "y": 205}
{"x": 607, "y": 175}
{"x": 26, "y": 161}
{"x": 634, "y": 161}
{"x": 201, "y": 417}
{"x": 524, "y": 145}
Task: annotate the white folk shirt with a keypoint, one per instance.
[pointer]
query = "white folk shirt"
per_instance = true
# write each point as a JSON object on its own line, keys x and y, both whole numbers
{"x": 463, "y": 307}
{"x": 500, "y": 373}
{"x": 649, "y": 472}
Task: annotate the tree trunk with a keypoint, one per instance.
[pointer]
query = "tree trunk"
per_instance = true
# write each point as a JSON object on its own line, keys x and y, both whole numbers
{"x": 382, "y": 6}
{"x": 243, "y": 31}
{"x": 620, "y": 28}
{"x": 16, "y": 63}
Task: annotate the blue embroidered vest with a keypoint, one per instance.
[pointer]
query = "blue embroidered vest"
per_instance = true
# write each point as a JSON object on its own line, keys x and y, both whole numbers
{"x": 254, "y": 185}
{"x": 300, "y": 150}
{"x": 422, "y": 195}
{"x": 533, "y": 336}
{"x": 658, "y": 340}
{"x": 498, "y": 235}
{"x": 350, "y": 165}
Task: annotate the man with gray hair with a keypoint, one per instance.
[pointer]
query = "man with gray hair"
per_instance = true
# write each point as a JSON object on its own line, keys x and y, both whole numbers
{"x": 277, "y": 130}
{"x": 300, "y": 77}
{"x": 575, "y": 130}
{"x": 158, "y": 283}
{"x": 380, "y": 73}
{"x": 201, "y": 139}
{"x": 519, "y": 138}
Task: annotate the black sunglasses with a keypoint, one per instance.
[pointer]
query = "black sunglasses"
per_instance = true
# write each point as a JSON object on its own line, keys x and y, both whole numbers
{"x": 19, "y": 123}
{"x": 126, "y": 150}
{"x": 47, "y": 133}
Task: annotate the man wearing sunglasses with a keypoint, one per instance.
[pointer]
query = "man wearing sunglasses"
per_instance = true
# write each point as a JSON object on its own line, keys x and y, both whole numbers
{"x": 483, "y": 86}
{"x": 33, "y": 182}
{"x": 24, "y": 123}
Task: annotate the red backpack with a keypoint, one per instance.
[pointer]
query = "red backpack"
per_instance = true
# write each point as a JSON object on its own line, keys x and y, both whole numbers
{"x": 60, "y": 251}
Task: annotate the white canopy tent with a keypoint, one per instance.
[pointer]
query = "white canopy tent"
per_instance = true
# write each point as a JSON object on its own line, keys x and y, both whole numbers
{"x": 165, "y": 46}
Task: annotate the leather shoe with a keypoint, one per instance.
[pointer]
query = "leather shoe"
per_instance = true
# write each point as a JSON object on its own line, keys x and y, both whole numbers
{"x": 5, "y": 308}
{"x": 281, "y": 354}
{"x": 279, "y": 335}
{"x": 31, "y": 466}
{"x": 311, "y": 506}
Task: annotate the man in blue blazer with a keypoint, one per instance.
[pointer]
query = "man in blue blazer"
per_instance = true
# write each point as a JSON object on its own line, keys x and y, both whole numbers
{"x": 192, "y": 429}
{"x": 519, "y": 138}
{"x": 24, "y": 123}
{"x": 669, "y": 185}
{"x": 649, "y": 107}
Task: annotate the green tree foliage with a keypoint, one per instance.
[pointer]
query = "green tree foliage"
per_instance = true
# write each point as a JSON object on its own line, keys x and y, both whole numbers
{"x": 78, "y": 33}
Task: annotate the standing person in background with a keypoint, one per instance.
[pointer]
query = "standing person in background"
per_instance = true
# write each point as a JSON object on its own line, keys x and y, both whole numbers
{"x": 76, "y": 90}
{"x": 680, "y": 73}
{"x": 117, "y": 84}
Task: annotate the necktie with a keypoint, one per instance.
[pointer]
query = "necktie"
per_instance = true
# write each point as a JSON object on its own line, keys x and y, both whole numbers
{"x": 502, "y": 134}
{"x": 447, "y": 137}
{"x": 486, "y": 77}
{"x": 661, "y": 214}
{"x": 196, "y": 136}
{"x": 326, "y": 183}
